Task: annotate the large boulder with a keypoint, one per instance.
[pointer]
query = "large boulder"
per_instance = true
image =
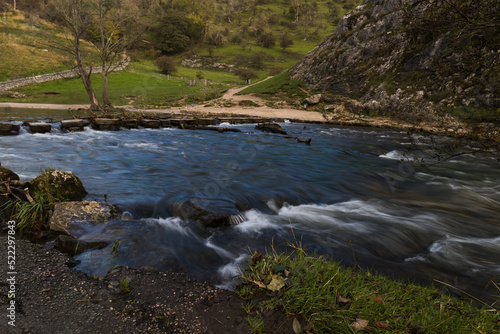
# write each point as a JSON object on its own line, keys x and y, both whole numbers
{"x": 72, "y": 218}
{"x": 271, "y": 127}
{"x": 7, "y": 175}
{"x": 312, "y": 100}
{"x": 62, "y": 185}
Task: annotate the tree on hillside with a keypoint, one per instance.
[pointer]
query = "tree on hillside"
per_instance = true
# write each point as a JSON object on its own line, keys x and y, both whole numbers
{"x": 76, "y": 16}
{"x": 285, "y": 41}
{"x": 114, "y": 36}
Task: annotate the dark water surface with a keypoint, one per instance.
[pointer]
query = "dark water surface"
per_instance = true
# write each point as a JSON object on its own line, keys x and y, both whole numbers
{"x": 348, "y": 193}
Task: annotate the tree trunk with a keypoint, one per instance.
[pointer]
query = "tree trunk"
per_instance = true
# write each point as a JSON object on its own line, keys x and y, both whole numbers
{"x": 104, "y": 57}
{"x": 86, "y": 79}
{"x": 77, "y": 52}
{"x": 105, "y": 95}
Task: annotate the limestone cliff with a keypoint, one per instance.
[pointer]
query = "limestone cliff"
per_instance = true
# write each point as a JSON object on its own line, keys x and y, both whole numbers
{"x": 411, "y": 58}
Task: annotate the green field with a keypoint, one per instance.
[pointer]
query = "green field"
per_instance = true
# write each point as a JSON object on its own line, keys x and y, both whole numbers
{"x": 141, "y": 84}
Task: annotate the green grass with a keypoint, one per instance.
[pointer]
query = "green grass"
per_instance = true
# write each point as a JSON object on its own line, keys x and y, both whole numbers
{"x": 332, "y": 298}
{"x": 25, "y": 50}
{"x": 140, "y": 82}
{"x": 280, "y": 88}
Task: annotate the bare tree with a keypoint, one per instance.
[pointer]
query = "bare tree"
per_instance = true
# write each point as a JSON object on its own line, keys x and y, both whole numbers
{"x": 115, "y": 36}
{"x": 76, "y": 16}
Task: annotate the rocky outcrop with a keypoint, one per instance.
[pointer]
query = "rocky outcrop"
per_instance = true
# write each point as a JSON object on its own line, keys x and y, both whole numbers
{"x": 62, "y": 185}
{"x": 72, "y": 217}
{"x": 383, "y": 58}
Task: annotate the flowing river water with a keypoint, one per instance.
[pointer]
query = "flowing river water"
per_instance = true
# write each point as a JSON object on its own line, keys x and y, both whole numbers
{"x": 348, "y": 196}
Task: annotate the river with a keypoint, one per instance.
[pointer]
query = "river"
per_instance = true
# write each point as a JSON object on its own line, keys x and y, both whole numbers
{"x": 347, "y": 196}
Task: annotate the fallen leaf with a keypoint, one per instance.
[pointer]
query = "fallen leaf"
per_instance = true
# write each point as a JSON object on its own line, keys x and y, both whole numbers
{"x": 260, "y": 284}
{"x": 296, "y": 326}
{"x": 378, "y": 300}
{"x": 380, "y": 324}
{"x": 342, "y": 300}
{"x": 277, "y": 282}
{"x": 287, "y": 273}
{"x": 359, "y": 324}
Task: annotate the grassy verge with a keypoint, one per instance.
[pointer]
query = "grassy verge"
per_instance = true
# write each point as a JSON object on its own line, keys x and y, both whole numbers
{"x": 332, "y": 299}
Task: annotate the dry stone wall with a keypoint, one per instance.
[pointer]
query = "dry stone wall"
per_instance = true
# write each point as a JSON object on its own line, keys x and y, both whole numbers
{"x": 11, "y": 84}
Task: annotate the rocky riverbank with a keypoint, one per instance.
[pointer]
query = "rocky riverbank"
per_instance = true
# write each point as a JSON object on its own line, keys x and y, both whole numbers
{"x": 46, "y": 295}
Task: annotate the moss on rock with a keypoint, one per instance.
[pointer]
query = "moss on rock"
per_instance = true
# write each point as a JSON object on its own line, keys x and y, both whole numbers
{"x": 6, "y": 174}
{"x": 61, "y": 185}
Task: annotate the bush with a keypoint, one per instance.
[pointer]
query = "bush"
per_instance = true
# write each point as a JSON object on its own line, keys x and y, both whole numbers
{"x": 245, "y": 73}
{"x": 166, "y": 65}
{"x": 268, "y": 40}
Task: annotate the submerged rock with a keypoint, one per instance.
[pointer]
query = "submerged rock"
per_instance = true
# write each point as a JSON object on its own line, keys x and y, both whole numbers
{"x": 271, "y": 127}
{"x": 74, "y": 246}
{"x": 71, "y": 217}
{"x": 62, "y": 185}
{"x": 206, "y": 213}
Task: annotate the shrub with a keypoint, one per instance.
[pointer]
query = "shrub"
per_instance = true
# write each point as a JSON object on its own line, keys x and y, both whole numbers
{"x": 245, "y": 73}
{"x": 166, "y": 65}
{"x": 268, "y": 39}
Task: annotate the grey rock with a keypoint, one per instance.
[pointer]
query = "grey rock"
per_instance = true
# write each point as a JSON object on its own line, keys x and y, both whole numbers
{"x": 72, "y": 218}
{"x": 314, "y": 99}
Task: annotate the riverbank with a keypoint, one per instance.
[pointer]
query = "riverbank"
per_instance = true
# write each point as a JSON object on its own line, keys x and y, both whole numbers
{"x": 51, "y": 297}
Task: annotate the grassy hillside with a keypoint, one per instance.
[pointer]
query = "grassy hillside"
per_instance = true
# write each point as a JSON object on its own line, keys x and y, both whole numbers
{"x": 251, "y": 33}
{"x": 24, "y": 42}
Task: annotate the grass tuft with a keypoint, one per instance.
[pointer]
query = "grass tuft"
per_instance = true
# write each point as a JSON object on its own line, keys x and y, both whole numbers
{"x": 337, "y": 300}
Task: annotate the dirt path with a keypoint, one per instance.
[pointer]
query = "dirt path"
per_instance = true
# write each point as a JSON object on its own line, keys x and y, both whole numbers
{"x": 231, "y": 94}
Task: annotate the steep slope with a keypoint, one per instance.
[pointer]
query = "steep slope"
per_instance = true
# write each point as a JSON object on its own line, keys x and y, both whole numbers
{"x": 413, "y": 59}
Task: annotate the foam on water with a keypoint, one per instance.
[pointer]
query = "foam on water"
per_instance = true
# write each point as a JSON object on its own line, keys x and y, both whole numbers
{"x": 393, "y": 155}
{"x": 255, "y": 222}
